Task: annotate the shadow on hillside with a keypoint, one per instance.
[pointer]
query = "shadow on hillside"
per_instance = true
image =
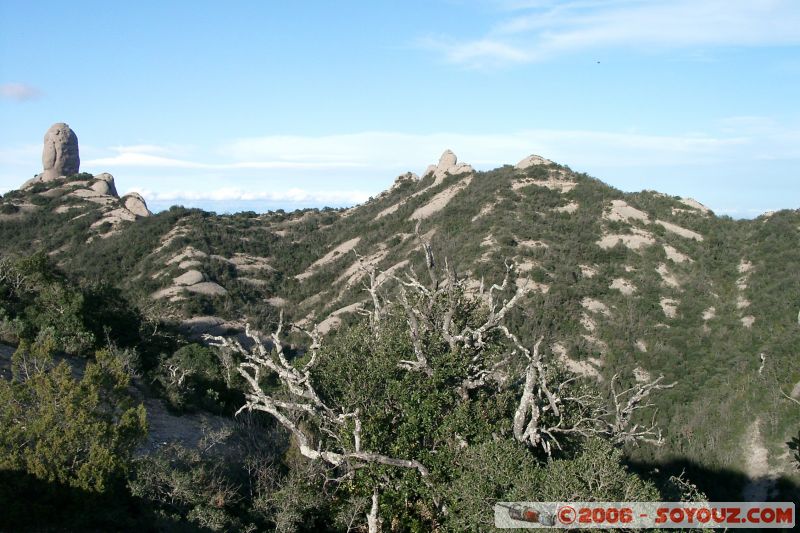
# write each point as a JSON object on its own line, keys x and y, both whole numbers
{"x": 31, "y": 504}
{"x": 794, "y": 446}
{"x": 719, "y": 485}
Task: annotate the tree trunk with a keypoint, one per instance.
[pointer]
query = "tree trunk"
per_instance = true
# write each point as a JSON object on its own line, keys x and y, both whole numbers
{"x": 373, "y": 521}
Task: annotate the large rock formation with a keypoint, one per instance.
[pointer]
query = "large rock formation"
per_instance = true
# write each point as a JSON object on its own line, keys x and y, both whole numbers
{"x": 448, "y": 164}
{"x": 60, "y": 159}
{"x": 60, "y": 153}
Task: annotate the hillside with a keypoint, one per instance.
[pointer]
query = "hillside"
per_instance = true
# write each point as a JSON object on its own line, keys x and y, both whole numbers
{"x": 636, "y": 284}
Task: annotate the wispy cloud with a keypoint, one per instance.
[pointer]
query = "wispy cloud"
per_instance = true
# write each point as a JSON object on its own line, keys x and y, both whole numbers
{"x": 481, "y": 53}
{"x": 379, "y": 153}
{"x": 21, "y": 154}
{"x": 390, "y": 149}
{"x": 234, "y": 194}
{"x": 19, "y": 92}
{"x": 150, "y": 156}
{"x": 541, "y": 30}
{"x": 346, "y": 169}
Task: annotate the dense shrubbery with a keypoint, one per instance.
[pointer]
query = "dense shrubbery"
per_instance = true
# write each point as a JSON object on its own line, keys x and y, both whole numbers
{"x": 433, "y": 448}
{"x": 36, "y": 298}
{"x": 75, "y": 432}
{"x": 714, "y": 362}
{"x": 197, "y": 377}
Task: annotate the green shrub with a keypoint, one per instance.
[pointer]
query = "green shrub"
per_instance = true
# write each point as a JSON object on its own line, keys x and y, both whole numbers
{"x": 76, "y": 432}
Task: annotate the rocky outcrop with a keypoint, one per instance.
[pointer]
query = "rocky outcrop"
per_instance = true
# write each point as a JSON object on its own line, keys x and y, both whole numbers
{"x": 441, "y": 199}
{"x": 60, "y": 159}
{"x": 102, "y": 191}
{"x": 104, "y": 184}
{"x": 135, "y": 204}
{"x": 190, "y": 277}
{"x": 404, "y": 178}
{"x": 448, "y": 164}
{"x": 60, "y": 153}
{"x": 532, "y": 161}
{"x": 694, "y": 204}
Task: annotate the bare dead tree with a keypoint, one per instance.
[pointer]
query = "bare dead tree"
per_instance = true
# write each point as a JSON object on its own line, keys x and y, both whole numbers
{"x": 18, "y": 282}
{"x": 373, "y": 521}
{"x": 371, "y": 287}
{"x": 177, "y": 375}
{"x": 419, "y": 300}
{"x": 626, "y": 403}
{"x": 790, "y": 398}
{"x": 545, "y": 410}
{"x": 546, "y": 413}
{"x": 228, "y": 364}
{"x": 332, "y": 436}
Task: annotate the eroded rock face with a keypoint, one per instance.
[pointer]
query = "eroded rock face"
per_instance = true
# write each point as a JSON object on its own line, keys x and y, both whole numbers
{"x": 136, "y": 204}
{"x": 404, "y": 178}
{"x": 532, "y": 161}
{"x": 447, "y": 160}
{"x": 104, "y": 184}
{"x": 191, "y": 277}
{"x": 448, "y": 164}
{"x": 60, "y": 153}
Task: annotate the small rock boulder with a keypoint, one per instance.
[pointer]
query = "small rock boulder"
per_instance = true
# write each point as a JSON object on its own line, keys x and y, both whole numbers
{"x": 135, "y": 204}
{"x": 191, "y": 277}
{"x": 104, "y": 184}
{"x": 208, "y": 288}
{"x": 404, "y": 178}
{"x": 532, "y": 161}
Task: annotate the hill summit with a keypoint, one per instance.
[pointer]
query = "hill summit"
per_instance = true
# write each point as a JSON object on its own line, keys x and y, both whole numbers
{"x": 62, "y": 189}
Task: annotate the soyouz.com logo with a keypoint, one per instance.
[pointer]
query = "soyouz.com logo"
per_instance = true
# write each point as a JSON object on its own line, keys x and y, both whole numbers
{"x": 635, "y": 515}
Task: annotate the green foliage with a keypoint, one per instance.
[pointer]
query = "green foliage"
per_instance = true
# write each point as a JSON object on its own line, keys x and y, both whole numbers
{"x": 80, "y": 176}
{"x": 194, "y": 377}
{"x": 8, "y": 209}
{"x": 415, "y": 415}
{"x": 104, "y": 289}
{"x": 77, "y": 432}
{"x": 186, "y": 486}
{"x": 794, "y": 446}
{"x": 503, "y": 470}
{"x": 295, "y": 501}
{"x": 37, "y": 297}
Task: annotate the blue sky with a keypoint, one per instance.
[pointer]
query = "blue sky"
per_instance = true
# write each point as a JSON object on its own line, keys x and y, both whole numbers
{"x": 259, "y": 105}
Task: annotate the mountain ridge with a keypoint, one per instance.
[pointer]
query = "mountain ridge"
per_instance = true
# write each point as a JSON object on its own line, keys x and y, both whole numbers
{"x": 637, "y": 283}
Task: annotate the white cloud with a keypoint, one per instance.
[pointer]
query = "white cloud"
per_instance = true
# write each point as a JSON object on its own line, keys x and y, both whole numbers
{"x": 228, "y": 194}
{"x": 385, "y": 150}
{"x": 19, "y": 92}
{"x": 545, "y": 29}
{"x": 347, "y": 169}
{"x": 149, "y": 156}
{"x": 145, "y": 149}
{"x": 380, "y": 153}
{"x": 21, "y": 154}
{"x": 135, "y": 159}
{"x": 481, "y": 53}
